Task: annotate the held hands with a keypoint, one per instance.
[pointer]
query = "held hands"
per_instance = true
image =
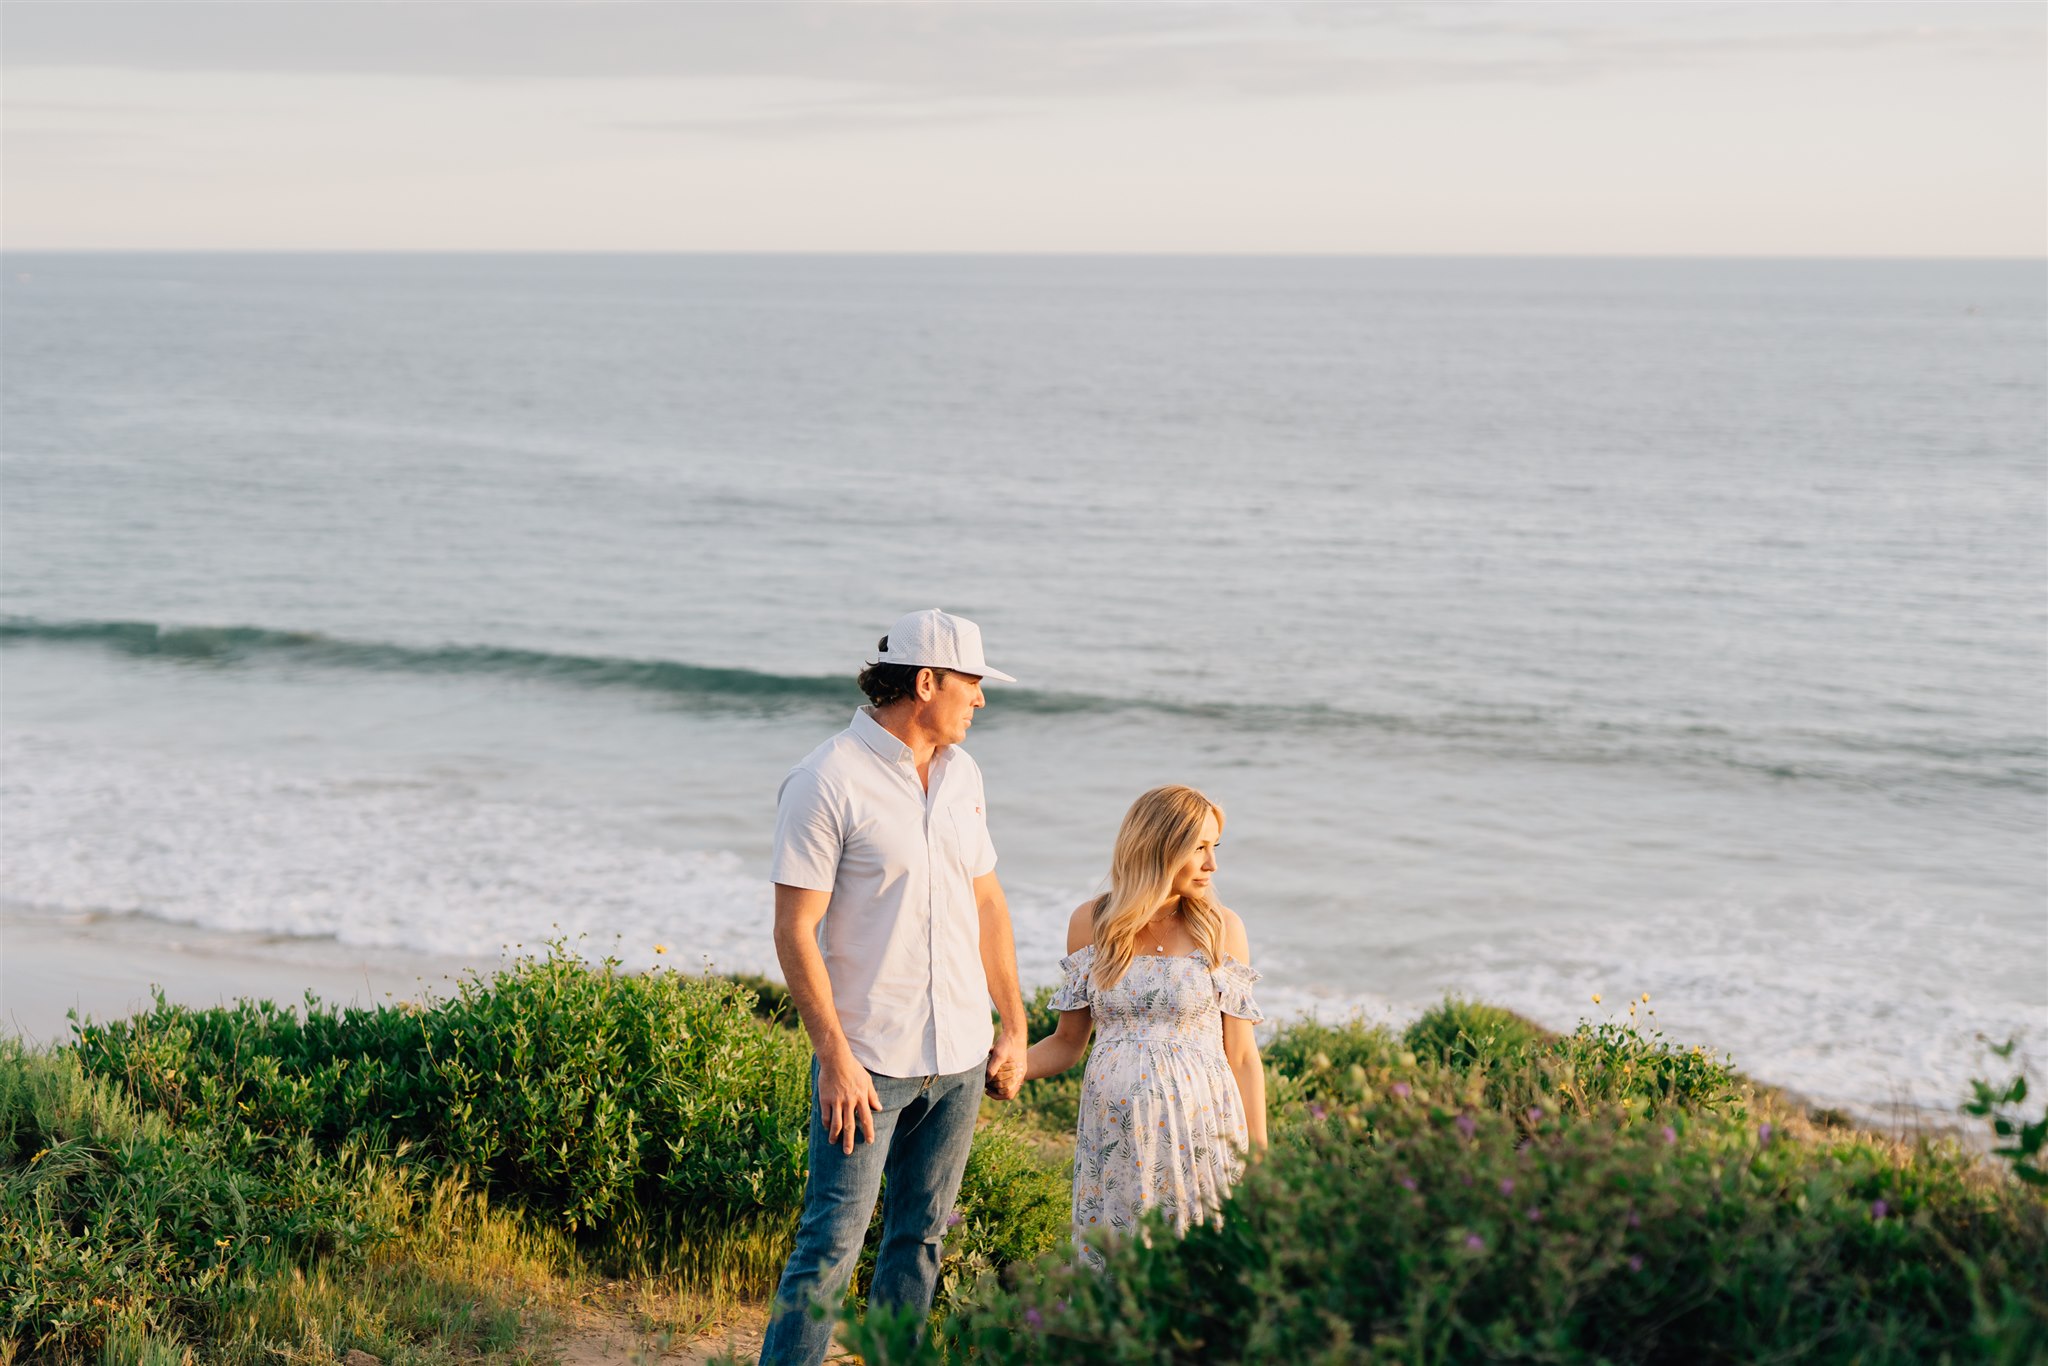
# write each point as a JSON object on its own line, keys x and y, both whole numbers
{"x": 846, "y": 1097}
{"x": 1005, "y": 1069}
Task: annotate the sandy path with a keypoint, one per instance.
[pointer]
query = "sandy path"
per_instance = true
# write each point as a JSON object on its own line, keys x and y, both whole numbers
{"x": 604, "y": 1338}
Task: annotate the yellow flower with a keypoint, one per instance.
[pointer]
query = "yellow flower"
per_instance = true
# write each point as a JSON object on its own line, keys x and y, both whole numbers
{"x": 1646, "y": 998}
{"x": 661, "y": 948}
{"x": 1596, "y": 998}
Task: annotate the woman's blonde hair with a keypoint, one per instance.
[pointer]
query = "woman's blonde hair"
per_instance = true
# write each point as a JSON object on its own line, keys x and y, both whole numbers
{"x": 1159, "y": 832}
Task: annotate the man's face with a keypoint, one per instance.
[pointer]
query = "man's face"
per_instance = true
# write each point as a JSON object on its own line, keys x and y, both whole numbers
{"x": 950, "y": 711}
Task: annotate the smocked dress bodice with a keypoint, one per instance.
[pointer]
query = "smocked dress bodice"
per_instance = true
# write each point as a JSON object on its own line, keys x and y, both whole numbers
{"x": 1162, "y": 1125}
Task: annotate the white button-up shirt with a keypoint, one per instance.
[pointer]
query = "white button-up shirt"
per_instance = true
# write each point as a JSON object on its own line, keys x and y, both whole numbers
{"x": 901, "y": 935}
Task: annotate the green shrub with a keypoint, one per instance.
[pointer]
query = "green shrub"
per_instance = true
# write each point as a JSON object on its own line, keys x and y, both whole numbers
{"x": 660, "y": 1115}
{"x": 1318, "y": 1059}
{"x": 1013, "y": 1208}
{"x": 1466, "y": 1034}
{"x": 2017, "y": 1140}
{"x": 1517, "y": 1064}
{"x": 1474, "y": 1191}
{"x": 1411, "y": 1224}
{"x": 116, "y": 1225}
{"x": 1614, "y": 1060}
{"x": 771, "y": 998}
{"x": 574, "y": 1089}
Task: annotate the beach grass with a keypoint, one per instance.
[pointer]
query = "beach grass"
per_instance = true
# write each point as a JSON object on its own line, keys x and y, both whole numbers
{"x": 128, "y": 1238}
{"x": 454, "y": 1182}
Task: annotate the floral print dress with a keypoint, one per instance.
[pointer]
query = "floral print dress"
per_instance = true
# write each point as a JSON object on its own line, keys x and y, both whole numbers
{"x": 1162, "y": 1124}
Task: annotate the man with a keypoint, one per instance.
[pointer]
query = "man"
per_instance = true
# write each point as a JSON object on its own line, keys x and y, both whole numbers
{"x": 881, "y": 839}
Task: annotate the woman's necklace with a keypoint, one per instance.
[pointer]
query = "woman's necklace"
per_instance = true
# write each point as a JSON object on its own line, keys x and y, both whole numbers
{"x": 1161, "y": 948}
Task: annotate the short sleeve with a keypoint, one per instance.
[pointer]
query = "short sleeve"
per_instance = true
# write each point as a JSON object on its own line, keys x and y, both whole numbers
{"x": 807, "y": 836}
{"x": 1076, "y": 991}
{"x": 1234, "y": 990}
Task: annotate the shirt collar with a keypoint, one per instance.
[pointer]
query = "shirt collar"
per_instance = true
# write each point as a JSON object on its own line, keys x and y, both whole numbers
{"x": 877, "y": 737}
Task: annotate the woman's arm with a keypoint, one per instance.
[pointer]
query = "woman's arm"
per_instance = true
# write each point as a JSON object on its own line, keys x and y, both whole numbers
{"x": 1241, "y": 1046}
{"x": 1062, "y": 1048}
{"x": 1242, "y": 1049}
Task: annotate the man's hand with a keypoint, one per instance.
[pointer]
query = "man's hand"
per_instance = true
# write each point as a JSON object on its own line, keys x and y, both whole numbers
{"x": 847, "y": 1097}
{"x": 1006, "y": 1068}
{"x": 999, "y": 964}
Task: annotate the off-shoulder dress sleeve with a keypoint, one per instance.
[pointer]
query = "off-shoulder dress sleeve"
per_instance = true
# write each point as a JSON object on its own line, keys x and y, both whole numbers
{"x": 1234, "y": 990}
{"x": 1076, "y": 991}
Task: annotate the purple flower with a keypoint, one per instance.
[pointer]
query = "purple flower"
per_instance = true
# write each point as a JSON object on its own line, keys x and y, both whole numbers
{"x": 1879, "y": 1209}
{"x": 1467, "y": 1125}
{"x": 1317, "y": 1111}
{"x": 1034, "y": 1319}
{"x": 1408, "y": 1183}
{"x": 953, "y": 1219}
{"x": 1763, "y": 1133}
{"x": 1535, "y": 1215}
{"x": 1474, "y": 1243}
{"x": 1535, "y": 1114}
{"x": 1400, "y": 1089}
{"x": 1635, "y": 1264}
{"x": 1634, "y": 1220}
{"x": 1670, "y": 1134}
{"x": 1507, "y": 1185}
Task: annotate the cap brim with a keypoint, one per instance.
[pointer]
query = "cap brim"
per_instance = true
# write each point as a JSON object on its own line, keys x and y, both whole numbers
{"x": 987, "y": 673}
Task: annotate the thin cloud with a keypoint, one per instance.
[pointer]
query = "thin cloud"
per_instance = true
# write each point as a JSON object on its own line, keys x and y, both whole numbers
{"x": 974, "y": 51}
{"x": 82, "y": 107}
{"x": 818, "y": 120}
{"x": 1133, "y": 126}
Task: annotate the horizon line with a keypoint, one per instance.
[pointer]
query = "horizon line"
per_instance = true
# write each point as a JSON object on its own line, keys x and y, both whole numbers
{"x": 887, "y": 253}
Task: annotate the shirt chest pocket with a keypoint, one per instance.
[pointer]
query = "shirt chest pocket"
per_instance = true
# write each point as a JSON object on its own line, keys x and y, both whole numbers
{"x": 958, "y": 829}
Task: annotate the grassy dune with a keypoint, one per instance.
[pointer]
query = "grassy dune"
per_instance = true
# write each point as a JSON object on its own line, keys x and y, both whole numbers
{"x": 260, "y": 1183}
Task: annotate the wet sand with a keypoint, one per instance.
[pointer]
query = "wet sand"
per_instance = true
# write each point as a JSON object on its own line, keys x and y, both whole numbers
{"x": 103, "y": 966}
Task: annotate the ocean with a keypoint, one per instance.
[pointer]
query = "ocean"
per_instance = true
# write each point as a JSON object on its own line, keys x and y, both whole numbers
{"x": 1545, "y": 627}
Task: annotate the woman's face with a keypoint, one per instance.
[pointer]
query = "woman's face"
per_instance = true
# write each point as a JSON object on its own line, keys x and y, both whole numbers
{"x": 1198, "y": 870}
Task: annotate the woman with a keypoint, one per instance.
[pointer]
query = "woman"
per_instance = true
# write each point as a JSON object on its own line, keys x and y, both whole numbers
{"x": 1174, "y": 1090}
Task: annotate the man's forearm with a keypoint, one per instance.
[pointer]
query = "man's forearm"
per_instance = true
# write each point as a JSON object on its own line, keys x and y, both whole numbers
{"x": 999, "y": 963}
{"x": 810, "y": 990}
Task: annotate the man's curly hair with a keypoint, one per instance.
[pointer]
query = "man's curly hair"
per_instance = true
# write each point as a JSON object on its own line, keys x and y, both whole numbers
{"x": 886, "y": 683}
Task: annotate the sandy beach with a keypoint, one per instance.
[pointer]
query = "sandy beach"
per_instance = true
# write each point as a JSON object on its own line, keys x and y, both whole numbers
{"x": 103, "y": 966}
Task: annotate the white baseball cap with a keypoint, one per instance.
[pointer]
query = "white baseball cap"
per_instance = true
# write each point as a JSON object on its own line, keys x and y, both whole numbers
{"x": 932, "y": 639}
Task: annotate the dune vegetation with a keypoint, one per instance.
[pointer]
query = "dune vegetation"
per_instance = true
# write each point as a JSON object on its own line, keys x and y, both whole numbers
{"x": 438, "y": 1183}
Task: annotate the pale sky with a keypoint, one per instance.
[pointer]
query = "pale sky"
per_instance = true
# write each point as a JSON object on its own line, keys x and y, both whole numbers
{"x": 1722, "y": 129}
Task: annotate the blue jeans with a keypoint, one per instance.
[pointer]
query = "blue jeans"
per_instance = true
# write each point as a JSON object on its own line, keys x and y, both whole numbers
{"x": 922, "y": 1134}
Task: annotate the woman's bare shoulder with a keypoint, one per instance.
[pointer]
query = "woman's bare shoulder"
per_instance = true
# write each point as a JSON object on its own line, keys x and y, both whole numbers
{"x": 1236, "y": 942}
{"x": 1081, "y": 925}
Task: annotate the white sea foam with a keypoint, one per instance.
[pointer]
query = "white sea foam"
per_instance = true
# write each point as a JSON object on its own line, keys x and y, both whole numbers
{"x": 1854, "y": 1007}
{"x": 388, "y": 860}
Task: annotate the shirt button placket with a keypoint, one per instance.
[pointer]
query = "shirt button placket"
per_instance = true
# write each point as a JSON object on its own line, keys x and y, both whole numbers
{"x": 931, "y": 939}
